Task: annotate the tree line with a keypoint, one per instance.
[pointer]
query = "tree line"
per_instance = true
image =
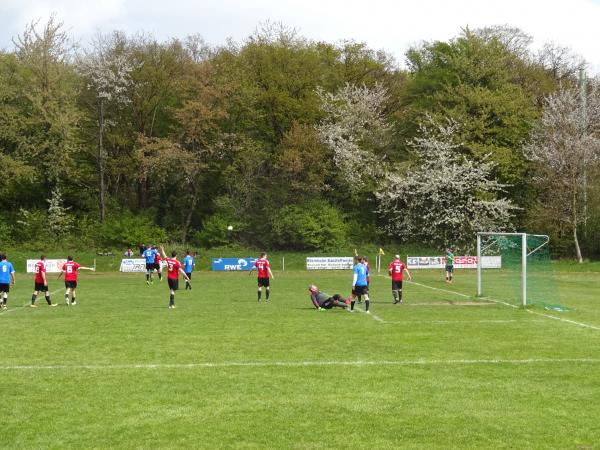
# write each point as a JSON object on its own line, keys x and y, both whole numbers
{"x": 295, "y": 143}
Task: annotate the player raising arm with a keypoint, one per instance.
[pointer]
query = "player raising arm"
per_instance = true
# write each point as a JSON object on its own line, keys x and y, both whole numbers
{"x": 264, "y": 272}
{"x": 396, "y": 271}
{"x": 173, "y": 267}
{"x": 70, "y": 269}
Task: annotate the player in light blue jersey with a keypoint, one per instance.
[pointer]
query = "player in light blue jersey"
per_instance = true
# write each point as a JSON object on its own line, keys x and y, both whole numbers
{"x": 7, "y": 274}
{"x": 149, "y": 254}
{"x": 360, "y": 285}
{"x": 189, "y": 262}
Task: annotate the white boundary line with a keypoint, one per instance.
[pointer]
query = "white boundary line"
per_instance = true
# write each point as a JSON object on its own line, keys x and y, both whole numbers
{"x": 373, "y": 316}
{"x": 408, "y": 322}
{"x": 548, "y": 316}
{"x": 233, "y": 364}
{"x": 26, "y": 304}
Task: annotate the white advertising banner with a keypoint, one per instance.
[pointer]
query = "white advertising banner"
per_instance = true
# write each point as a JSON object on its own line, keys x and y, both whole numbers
{"x": 133, "y": 265}
{"x": 329, "y": 263}
{"x": 460, "y": 262}
{"x": 52, "y": 265}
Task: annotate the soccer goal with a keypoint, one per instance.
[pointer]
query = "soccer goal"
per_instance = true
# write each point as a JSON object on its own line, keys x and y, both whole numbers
{"x": 521, "y": 273}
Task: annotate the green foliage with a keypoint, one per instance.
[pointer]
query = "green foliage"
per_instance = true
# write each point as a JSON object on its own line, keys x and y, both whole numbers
{"x": 215, "y": 231}
{"x": 482, "y": 85}
{"x": 309, "y": 226}
{"x": 6, "y": 234}
{"x": 195, "y": 124}
{"x": 129, "y": 230}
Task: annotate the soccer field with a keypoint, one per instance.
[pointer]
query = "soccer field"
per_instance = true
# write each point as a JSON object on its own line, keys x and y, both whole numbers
{"x": 121, "y": 370}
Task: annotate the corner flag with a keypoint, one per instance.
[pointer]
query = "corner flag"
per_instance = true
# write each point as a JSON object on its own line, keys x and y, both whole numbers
{"x": 381, "y": 252}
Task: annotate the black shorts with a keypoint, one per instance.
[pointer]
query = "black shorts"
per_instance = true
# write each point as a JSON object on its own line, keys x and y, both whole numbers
{"x": 70, "y": 284}
{"x": 189, "y": 275}
{"x": 396, "y": 285}
{"x": 40, "y": 287}
{"x": 156, "y": 266}
{"x": 149, "y": 266}
{"x": 450, "y": 269}
{"x": 361, "y": 290}
{"x": 263, "y": 282}
{"x": 4, "y": 287}
{"x": 173, "y": 284}
{"x": 327, "y": 304}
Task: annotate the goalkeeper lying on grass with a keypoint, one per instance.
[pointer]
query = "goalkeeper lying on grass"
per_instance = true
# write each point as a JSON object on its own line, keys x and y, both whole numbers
{"x": 321, "y": 300}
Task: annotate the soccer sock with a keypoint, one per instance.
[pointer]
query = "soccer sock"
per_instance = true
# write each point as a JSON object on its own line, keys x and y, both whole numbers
{"x": 171, "y": 299}
{"x": 48, "y": 300}
{"x": 366, "y": 305}
{"x": 67, "y": 298}
{"x": 400, "y": 294}
{"x": 73, "y": 298}
{"x": 259, "y": 294}
{"x": 267, "y": 293}
{"x": 147, "y": 277}
{"x": 352, "y": 305}
{"x": 33, "y": 297}
{"x": 395, "y": 295}
{"x": 159, "y": 276}
{"x": 5, "y": 300}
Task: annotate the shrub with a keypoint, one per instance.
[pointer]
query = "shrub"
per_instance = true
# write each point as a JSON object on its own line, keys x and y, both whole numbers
{"x": 128, "y": 229}
{"x": 214, "y": 231}
{"x": 314, "y": 225}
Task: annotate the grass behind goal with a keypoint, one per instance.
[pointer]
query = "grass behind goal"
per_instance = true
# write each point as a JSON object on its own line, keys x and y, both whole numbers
{"x": 221, "y": 371}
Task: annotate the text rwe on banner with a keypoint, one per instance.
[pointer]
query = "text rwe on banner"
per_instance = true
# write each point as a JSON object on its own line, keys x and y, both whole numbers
{"x": 135, "y": 265}
{"x": 460, "y": 262}
{"x": 232, "y": 264}
{"x": 52, "y": 265}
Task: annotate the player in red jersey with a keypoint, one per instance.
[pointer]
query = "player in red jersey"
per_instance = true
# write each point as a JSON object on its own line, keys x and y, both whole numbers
{"x": 173, "y": 268}
{"x": 40, "y": 282}
{"x": 396, "y": 270}
{"x": 70, "y": 269}
{"x": 157, "y": 265}
{"x": 264, "y": 272}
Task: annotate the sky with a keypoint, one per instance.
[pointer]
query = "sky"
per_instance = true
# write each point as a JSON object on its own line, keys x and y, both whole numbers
{"x": 389, "y": 25}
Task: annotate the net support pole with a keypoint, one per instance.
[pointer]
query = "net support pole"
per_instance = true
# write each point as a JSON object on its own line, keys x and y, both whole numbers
{"x": 478, "y": 265}
{"x": 524, "y": 269}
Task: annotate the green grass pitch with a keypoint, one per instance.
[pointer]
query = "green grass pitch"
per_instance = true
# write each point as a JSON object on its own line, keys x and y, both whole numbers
{"x": 120, "y": 370}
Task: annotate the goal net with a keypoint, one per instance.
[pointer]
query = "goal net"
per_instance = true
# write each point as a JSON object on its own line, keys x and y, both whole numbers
{"x": 523, "y": 275}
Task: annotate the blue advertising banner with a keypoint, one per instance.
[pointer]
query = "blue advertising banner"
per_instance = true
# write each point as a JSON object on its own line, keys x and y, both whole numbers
{"x": 232, "y": 264}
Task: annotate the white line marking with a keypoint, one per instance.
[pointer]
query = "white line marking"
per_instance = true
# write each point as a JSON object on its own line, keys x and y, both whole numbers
{"x": 585, "y": 325}
{"x": 561, "y": 319}
{"x": 377, "y": 318}
{"x": 408, "y": 322}
{"x": 441, "y": 290}
{"x": 26, "y": 304}
{"x": 230, "y": 364}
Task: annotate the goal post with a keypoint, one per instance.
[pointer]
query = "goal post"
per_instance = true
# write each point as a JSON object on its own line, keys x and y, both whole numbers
{"x": 524, "y": 276}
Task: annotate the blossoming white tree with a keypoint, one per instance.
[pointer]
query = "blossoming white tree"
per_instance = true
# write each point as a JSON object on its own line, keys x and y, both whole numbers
{"x": 108, "y": 72}
{"x": 354, "y": 127}
{"x": 566, "y": 144}
{"x": 445, "y": 197}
